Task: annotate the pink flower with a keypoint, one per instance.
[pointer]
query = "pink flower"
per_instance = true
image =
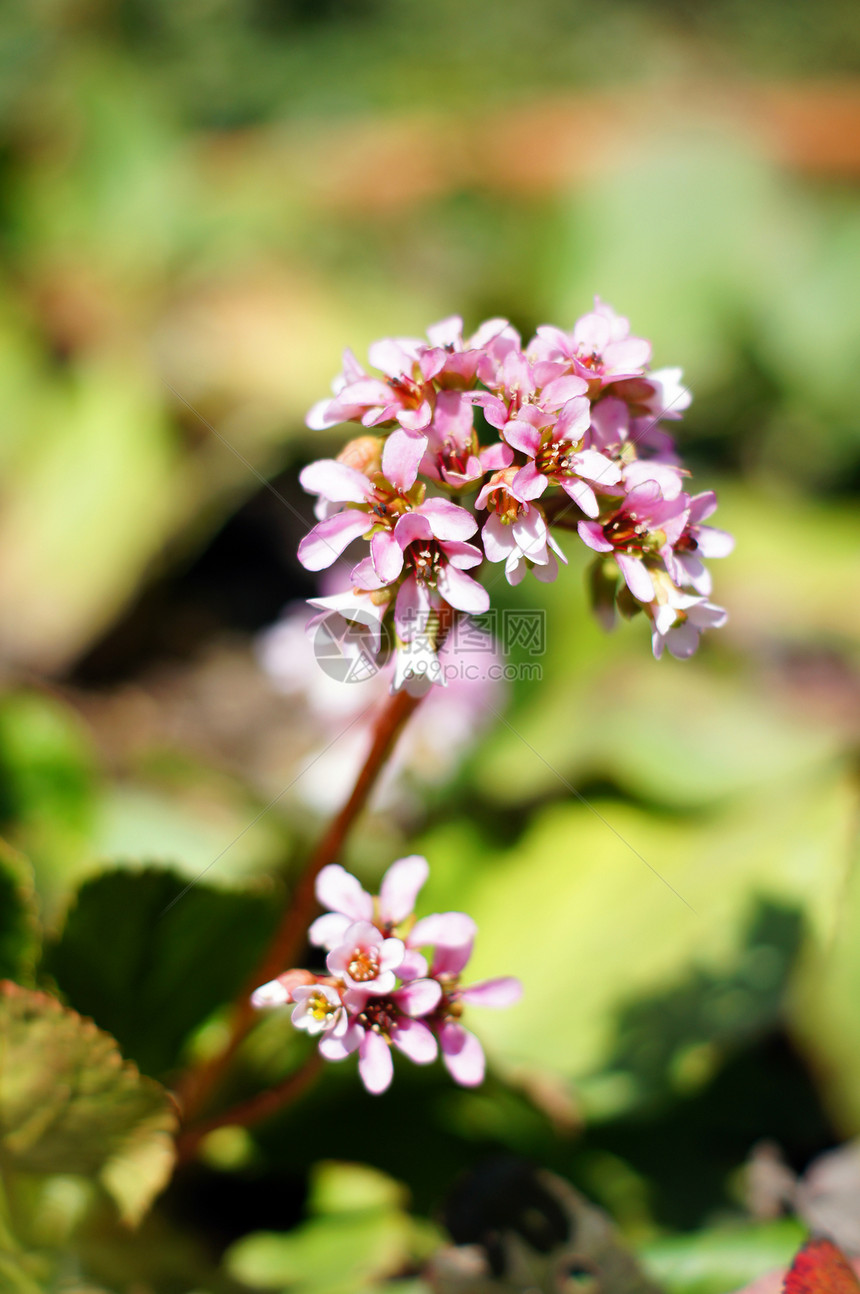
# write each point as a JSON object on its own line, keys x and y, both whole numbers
{"x": 679, "y": 623}
{"x": 644, "y": 527}
{"x": 377, "y": 1023}
{"x": 668, "y": 398}
{"x": 685, "y": 563}
{"x": 516, "y": 532}
{"x": 364, "y": 959}
{"x": 427, "y": 541}
{"x": 362, "y": 1007}
{"x": 347, "y": 901}
{"x": 453, "y": 935}
{"x": 576, "y": 413}
{"x": 453, "y": 455}
{"x": 600, "y": 348}
{"x": 406, "y": 394}
{"x": 556, "y": 456}
{"x": 494, "y": 337}
{"x": 384, "y": 509}
{"x": 639, "y": 445}
{"x": 278, "y": 992}
{"x": 319, "y": 1010}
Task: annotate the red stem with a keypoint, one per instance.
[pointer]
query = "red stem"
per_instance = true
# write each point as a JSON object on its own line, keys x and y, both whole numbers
{"x": 251, "y": 1111}
{"x": 288, "y": 940}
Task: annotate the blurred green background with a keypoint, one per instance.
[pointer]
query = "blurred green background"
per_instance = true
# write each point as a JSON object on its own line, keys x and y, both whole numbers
{"x": 202, "y": 203}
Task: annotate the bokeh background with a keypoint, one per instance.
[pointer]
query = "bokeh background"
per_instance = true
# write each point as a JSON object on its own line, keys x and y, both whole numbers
{"x": 202, "y": 202}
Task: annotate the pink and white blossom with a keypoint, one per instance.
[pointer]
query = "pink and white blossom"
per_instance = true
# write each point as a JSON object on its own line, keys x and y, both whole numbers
{"x": 576, "y": 419}
{"x": 319, "y": 1009}
{"x": 379, "y": 994}
{"x": 366, "y": 959}
{"x": 516, "y": 532}
{"x": 347, "y": 901}
{"x": 679, "y": 623}
{"x": 377, "y": 1024}
{"x": 640, "y": 532}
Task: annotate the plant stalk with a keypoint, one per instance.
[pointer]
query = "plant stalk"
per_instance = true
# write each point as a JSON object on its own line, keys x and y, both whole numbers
{"x": 194, "y": 1089}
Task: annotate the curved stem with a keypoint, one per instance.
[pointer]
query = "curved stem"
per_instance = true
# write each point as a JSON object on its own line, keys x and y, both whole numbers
{"x": 253, "y": 1110}
{"x": 288, "y": 940}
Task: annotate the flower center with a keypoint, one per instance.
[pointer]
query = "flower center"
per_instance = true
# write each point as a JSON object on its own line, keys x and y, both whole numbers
{"x": 320, "y": 1007}
{"x": 363, "y": 965}
{"x": 505, "y": 505}
{"x": 410, "y": 390}
{"x": 623, "y": 531}
{"x": 386, "y": 504}
{"x": 380, "y": 1016}
{"x": 454, "y": 458}
{"x": 555, "y": 458}
{"x": 426, "y": 560}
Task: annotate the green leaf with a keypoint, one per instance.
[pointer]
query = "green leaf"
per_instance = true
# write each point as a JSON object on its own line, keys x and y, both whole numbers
{"x": 604, "y": 907}
{"x": 48, "y": 785}
{"x": 19, "y": 931}
{"x": 723, "y": 1258}
{"x": 823, "y": 1007}
{"x": 84, "y": 511}
{"x": 150, "y": 957}
{"x": 359, "y": 1236}
{"x": 70, "y": 1104}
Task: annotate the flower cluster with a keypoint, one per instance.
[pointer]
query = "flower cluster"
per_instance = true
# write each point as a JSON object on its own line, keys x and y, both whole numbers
{"x": 563, "y": 433}
{"x": 381, "y": 990}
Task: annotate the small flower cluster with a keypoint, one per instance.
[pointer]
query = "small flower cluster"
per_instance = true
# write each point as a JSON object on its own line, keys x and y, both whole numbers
{"x": 564, "y": 432}
{"x": 381, "y": 989}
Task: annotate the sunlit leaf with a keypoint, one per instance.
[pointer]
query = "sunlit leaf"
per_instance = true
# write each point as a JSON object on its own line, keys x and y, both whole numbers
{"x": 70, "y": 1104}
{"x": 721, "y": 1258}
{"x": 823, "y": 1007}
{"x": 600, "y": 907}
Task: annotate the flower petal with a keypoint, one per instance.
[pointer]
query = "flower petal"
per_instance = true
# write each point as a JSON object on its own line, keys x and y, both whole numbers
{"x": 386, "y": 555}
{"x": 639, "y": 582}
{"x": 334, "y": 1048}
{"x": 714, "y": 543}
{"x": 450, "y": 928}
{"x": 413, "y": 966}
{"x": 400, "y": 888}
{"x": 328, "y": 930}
{"x": 331, "y": 537}
{"x": 419, "y": 997}
{"x": 447, "y": 520}
{"x": 375, "y": 1064}
{"x": 339, "y": 890}
{"x": 412, "y": 526}
{"x": 528, "y": 483}
{"x": 334, "y": 481}
{"x": 401, "y": 456}
{"x": 591, "y": 533}
{"x": 497, "y": 993}
{"x": 462, "y": 1055}
{"x": 522, "y": 436}
{"x": 498, "y": 540}
{"x": 461, "y": 591}
{"x": 391, "y": 954}
{"x": 272, "y": 994}
{"x": 415, "y": 1040}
